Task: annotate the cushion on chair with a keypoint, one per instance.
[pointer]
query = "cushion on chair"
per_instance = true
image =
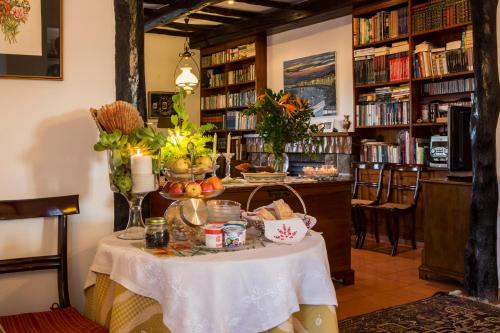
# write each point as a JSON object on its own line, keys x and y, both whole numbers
{"x": 392, "y": 205}
{"x": 361, "y": 202}
{"x": 66, "y": 320}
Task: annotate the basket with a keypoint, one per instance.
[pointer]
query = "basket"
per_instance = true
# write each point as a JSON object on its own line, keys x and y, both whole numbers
{"x": 254, "y": 220}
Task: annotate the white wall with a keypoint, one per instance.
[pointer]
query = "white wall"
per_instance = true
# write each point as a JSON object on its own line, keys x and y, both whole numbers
{"x": 334, "y": 35}
{"x": 47, "y": 136}
{"x": 161, "y": 54}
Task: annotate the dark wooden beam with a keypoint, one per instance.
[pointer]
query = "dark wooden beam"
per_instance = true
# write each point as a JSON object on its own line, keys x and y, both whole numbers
{"x": 229, "y": 12}
{"x": 213, "y": 18}
{"x": 169, "y": 32}
{"x": 130, "y": 80}
{"x": 175, "y": 10}
{"x": 192, "y": 27}
{"x": 266, "y": 3}
{"x": 481, "y": 274}
{"x": 306, "y": 13}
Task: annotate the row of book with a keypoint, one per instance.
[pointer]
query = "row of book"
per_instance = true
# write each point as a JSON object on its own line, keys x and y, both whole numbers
{"x": 245, "y": 74}
{"x": 430, "y": 61}
{"x": 233, "y": 54}
{"x": 449, "y": 87}
{"x": 218, "y": 120}
{"x": 237, "y": 121}
{"x": 241, "y": 99}
{"x": 214, "y": 78}
{"x": 383, "y": 64}
{"x": 214, "y": 102}
{"x": 381, "y": 26}
{"x": 440, "y": 14}
{"x": 385, "y": 106}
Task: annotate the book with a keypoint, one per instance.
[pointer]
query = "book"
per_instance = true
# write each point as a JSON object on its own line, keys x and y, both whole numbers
{"x": 385, "y": 106}
{"x": 381, "y": 26}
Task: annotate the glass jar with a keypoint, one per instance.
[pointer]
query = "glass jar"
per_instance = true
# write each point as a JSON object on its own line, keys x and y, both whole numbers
{"x": 157, "y": 235}
{"x": 223, "y": 210}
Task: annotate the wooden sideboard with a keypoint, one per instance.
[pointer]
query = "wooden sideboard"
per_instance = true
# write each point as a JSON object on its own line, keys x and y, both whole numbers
{"x": 329, "y": 202}
{"x": 446, "y": 216}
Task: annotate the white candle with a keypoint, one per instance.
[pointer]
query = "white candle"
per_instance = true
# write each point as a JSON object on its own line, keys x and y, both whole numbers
{"x": 214, "y": 149}
{"x": 141, "y": 164}
{"x": 228, "y": 151}
{"x": 143, "y": 179}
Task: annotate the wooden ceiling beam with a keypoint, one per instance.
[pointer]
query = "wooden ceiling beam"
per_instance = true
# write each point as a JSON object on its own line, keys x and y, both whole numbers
{"x": 191, "y": 27}
{"x": 175, "y": 10}
{"x": 303, "y": 14}
{"x": 229, "y": 12}
{"x": 169, "y": 32}
{"x": 266, "y": 3}
{"x": 213, "y": 18}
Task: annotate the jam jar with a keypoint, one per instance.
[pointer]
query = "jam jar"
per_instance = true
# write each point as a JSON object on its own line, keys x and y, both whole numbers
{"x": 157, "y": 235}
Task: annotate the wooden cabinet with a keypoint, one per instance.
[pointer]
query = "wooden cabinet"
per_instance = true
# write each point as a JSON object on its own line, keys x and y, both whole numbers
{"x": 446, "y": 216}
{"x": 329, "y": 202}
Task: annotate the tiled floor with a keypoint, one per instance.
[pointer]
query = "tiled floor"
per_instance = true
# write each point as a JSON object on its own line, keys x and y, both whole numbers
{"x": 383, "y": 281}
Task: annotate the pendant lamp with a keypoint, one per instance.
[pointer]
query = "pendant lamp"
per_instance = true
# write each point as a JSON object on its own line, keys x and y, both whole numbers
{"x": 187, "y": 70}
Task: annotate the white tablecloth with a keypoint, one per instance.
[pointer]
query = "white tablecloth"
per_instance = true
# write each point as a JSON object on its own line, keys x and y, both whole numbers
{"x": 245, "y": 291}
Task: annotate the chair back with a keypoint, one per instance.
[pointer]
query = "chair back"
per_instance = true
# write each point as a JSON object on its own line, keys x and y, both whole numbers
{"x": 366, "y": 183}
{"x": 59, "y": 207}
{"x": 396, "y": 170}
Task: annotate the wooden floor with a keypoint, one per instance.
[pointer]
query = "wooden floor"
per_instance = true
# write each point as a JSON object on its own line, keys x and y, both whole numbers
{"x": 383, "y": 281}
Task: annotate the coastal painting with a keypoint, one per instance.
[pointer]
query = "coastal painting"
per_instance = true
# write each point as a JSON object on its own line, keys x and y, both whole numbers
{"x": 314, "y": 78}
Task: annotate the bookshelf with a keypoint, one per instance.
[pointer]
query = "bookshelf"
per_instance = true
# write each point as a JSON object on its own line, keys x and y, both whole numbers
{"x": 412, "y": 60}
{"x": 232, "y": 75}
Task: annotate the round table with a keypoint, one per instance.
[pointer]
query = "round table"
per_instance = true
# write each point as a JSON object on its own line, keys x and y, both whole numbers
{"x": 242, "y": 291}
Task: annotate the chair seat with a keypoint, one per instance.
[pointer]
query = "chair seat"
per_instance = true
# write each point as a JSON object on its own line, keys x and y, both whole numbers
{"x": 392, "y": 205}
{"x": 361, "y": 202}
{"x": 66, "y": 320}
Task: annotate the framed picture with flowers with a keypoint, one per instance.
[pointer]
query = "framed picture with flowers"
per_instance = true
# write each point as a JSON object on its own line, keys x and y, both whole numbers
{"x": 31, "y": 34}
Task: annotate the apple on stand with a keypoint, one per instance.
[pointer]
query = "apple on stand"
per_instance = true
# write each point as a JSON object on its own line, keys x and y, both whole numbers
{"x": 207, "y": 187}
{"x": 176, "y": 188}
{"x": 204, "y": 162}
{"x": 193, "y": 189}
{"x": 181, "y": 166}
{"x": 216, "y": 183}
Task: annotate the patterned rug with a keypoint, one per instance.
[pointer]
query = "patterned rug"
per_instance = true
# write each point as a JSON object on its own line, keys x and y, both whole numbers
{"x": 439, "y": 313}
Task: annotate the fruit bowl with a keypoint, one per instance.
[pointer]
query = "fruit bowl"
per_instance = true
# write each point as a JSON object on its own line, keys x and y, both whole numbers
{"x": 200, "y": 189}
{"x": 184, "y": 196}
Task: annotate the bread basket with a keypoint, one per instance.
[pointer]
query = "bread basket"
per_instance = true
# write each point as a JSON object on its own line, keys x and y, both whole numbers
{"x": 253, "y": 219}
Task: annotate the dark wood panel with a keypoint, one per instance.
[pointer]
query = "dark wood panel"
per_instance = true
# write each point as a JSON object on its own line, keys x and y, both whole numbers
{"x": 329, "y": 202}
{"x": 447, "y": 213}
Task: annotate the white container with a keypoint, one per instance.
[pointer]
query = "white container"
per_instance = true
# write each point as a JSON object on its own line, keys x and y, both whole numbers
{"x": 214, "y": 236}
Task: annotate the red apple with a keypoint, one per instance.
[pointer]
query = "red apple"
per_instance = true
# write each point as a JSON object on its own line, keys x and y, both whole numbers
{"x": 193, "y": 189}
{"x": 216, "y": 183}
{"x": 176, "y": 188}
{"x": 166, "y": 187}
{"x": 207, "y": 187}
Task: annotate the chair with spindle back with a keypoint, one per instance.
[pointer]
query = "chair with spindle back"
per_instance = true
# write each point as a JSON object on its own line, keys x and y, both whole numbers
{"x": 62, "y": 317}
{"x": 395, "y": 210}
{"x": 358, "y": 218}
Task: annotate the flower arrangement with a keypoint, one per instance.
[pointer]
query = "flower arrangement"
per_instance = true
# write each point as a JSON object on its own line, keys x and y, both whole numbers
{"x": 13, "y": 13}
{"x": 283, "y": 118}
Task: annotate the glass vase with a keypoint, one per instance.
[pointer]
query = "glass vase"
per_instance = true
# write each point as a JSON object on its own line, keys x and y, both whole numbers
{"x": 279, "y": 162}
{"x": 133, "y": 173}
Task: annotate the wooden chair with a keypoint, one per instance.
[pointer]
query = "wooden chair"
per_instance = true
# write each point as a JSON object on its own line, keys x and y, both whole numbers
{"x": 62, "y": 317}
{"x": 358, "y": 217}
{"x": 393, "y": 210}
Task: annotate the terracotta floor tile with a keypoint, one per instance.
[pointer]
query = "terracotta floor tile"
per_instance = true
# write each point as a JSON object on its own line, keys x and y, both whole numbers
{"x": 383, "y": 281}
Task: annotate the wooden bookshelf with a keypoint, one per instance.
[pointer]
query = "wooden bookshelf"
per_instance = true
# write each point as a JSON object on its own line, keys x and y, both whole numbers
{"x": 438, "y": 37}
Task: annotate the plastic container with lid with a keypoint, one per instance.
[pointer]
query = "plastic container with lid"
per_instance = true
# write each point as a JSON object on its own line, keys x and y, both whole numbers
{"x": 214, "y": 236}
{"x": 157, "y": 235}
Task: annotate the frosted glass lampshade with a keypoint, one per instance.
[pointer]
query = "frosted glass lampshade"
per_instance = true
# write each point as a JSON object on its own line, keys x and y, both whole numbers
{"x": 186, "y": 79}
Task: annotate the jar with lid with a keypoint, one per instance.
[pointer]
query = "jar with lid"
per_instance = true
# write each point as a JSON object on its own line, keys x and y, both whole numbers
{"x": 157, "y": 235}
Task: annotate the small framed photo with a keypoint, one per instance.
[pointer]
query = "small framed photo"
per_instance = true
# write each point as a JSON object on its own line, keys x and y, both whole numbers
{"x": 160, "y": 104}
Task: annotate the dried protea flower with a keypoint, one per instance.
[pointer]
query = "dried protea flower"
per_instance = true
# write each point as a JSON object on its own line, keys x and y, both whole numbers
{"x": 119, "y": 115}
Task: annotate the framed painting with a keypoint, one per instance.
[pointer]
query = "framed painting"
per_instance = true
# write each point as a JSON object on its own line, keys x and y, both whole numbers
{"x": 31, "y": 35}
{"x": 160, "y": 104}
{"x": 314, "y": 78}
